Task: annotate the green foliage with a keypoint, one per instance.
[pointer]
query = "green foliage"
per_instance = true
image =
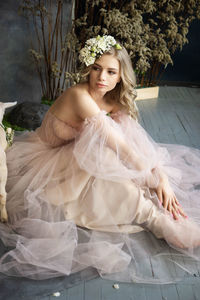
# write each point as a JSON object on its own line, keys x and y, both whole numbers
{"x": 7, "y": 124}
{"x": 46, "y": 101}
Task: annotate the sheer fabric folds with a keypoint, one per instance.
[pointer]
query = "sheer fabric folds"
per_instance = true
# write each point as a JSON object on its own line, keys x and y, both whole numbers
{"x": 84, "y": 197}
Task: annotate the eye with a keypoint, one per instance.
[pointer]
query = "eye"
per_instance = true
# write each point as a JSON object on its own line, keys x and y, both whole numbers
{"x": 111, "y": 72}
{"x": 95, "y": 68}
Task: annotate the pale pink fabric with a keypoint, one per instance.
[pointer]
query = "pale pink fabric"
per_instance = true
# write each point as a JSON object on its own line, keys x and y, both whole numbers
{"x": 75, "y": 199}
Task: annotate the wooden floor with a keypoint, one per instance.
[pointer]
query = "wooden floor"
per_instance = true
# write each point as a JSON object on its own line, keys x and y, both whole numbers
{"x": 99, "y": 289}
{"x": 172, "y": 118}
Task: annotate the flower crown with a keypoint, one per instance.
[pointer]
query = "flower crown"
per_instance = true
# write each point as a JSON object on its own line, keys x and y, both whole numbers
{"x": 96, "y": 47}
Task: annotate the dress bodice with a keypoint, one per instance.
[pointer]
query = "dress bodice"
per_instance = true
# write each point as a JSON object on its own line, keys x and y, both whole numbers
{"x": 55, "y": 132}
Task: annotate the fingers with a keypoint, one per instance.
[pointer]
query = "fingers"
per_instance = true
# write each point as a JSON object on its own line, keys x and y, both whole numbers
{"x": 181, "y": 212}
{"x": 176, "y": 201}
{"x": 172, "y": 208}
{"x": 175, "y": 215}
{"x": 174, "y": 204}
{"x": 178, "y": 207}
{"x": 169, "y": 201}
{"x": 171, "y": 204}
{"x": 160, "y": 195}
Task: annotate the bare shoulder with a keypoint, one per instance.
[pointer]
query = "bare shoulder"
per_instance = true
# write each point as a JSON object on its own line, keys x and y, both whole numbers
{"x": 78, "y": 91}
{"x": 82, "y": 102}
{"x": 75, "y": 91}
{"x": 75, "y": 104}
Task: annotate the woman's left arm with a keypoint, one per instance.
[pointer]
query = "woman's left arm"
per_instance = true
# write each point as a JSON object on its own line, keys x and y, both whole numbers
{"x": 157, "y": 180}
{"x": 167, "y": 197}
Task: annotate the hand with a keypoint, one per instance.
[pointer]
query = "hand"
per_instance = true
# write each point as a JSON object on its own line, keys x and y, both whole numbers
{"x": 168, "y": 199}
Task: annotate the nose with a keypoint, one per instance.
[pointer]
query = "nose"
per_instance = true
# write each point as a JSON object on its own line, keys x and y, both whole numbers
{"x": 102, "y": 75}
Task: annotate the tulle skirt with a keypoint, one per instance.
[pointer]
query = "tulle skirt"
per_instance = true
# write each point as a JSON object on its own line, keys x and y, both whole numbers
{"x": 81, "y": 205}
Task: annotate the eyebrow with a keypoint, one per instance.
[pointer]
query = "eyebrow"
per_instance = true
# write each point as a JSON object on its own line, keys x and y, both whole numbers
{"x": 108, "y": 67}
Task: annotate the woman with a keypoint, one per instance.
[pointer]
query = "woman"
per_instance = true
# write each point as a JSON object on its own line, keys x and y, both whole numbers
{"x": 91, "y": 166}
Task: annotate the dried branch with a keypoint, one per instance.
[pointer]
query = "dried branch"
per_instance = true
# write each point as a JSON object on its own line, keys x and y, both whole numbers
{"x": 49, "y": 51}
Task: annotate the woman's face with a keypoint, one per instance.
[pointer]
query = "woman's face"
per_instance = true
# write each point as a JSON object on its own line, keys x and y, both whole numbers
{"x": 105, "y": 73}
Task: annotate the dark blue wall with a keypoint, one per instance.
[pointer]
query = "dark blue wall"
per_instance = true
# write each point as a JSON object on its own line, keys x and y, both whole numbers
{"x": 186, "y": 68}
{"x": 19, "y": 80}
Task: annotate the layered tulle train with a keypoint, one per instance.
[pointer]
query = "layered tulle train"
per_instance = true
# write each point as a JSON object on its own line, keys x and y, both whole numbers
{"x": 79, "y": 200}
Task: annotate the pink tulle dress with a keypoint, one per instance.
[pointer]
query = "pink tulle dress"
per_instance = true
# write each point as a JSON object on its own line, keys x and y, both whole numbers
{"x": 75, "y": 200}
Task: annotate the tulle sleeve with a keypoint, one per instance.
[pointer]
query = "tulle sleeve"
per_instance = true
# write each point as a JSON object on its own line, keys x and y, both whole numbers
{"x": 106, "y": 148}
{"x": 163, "y": 161}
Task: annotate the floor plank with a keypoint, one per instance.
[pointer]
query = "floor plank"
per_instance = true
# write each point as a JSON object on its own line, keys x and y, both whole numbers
{"x": 196, "y": 290}
{"x": 169, "y": 292}
{"x": 153, "y": 292}
{"x": 185, "y": 291}
{"x": 93, "y": 289}
{"x": 76, "y": 293}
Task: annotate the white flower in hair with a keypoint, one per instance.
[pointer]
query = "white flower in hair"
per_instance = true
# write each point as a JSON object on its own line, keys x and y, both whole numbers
{"x": 95, "y": 47}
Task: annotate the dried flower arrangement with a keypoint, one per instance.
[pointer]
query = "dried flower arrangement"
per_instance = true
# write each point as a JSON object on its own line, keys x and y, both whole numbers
{"x": 151, "y": 31}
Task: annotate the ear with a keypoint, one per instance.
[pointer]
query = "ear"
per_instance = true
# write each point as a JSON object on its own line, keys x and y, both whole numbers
{"x": 9, "y": 104}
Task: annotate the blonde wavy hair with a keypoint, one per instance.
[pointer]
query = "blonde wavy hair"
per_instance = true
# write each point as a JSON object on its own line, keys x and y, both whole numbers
{"x": 124, "y": 92}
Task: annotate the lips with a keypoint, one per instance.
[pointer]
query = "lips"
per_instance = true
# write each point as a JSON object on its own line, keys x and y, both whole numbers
{"x": 101, "y": 85}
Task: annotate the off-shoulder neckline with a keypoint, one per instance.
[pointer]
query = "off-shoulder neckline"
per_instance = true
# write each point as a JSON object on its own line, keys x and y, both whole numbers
{"x": 66, "y": 123}
{"x": 77, "y": 129}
